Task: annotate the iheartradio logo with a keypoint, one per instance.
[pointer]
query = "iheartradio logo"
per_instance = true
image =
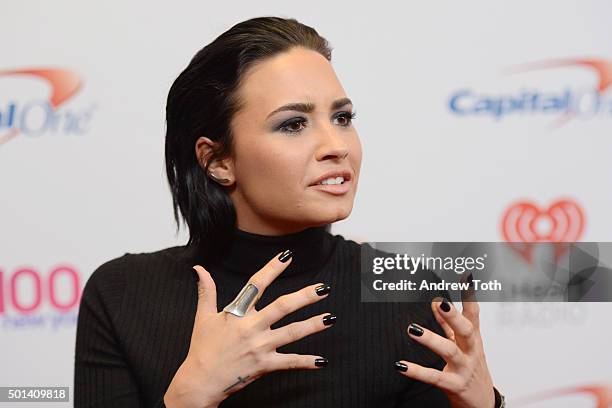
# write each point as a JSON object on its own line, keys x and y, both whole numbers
{"x": 525, "y": 222}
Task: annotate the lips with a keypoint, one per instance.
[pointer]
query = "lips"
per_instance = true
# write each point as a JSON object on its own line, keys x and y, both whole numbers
{"x": 335, "y": 189}
{"x": 346, "y": 174}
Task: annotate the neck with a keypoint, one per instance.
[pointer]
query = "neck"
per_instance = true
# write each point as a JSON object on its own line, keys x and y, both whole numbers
{"x": 257, "y": 226}
{"x": 247, "y": 252}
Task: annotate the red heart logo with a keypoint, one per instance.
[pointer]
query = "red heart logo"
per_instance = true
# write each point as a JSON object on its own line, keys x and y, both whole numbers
{"x": 524, "y": 222}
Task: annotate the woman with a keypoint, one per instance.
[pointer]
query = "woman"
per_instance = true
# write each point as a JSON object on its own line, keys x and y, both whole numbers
{"x": 261, "y": 157}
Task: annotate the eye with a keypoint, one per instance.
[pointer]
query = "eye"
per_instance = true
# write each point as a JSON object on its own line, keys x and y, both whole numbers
{"x": 293, "y": 125}
{"x": 346, "y": 118}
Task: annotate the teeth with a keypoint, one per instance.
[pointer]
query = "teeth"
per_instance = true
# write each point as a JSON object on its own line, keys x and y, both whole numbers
{"x": 333, "y": 180}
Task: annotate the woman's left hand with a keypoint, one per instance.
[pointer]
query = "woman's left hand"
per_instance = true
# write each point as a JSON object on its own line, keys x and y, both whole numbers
{"x": 465, "y": 379}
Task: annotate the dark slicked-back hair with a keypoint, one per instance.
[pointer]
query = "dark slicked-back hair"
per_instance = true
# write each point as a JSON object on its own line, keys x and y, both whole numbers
{"x": 201, "y": 102}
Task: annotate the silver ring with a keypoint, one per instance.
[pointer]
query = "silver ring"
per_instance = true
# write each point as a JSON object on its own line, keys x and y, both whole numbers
{"x": 243, "y": 301}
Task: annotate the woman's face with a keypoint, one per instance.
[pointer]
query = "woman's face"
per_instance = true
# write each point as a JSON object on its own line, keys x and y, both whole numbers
{"x": 294, "y": 129}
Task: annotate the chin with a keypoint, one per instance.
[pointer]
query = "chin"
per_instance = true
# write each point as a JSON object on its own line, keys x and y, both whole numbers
{"x": 330, "y": 215}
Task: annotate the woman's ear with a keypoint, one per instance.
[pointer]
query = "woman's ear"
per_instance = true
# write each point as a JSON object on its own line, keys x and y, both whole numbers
{"x": 221, "y": 171}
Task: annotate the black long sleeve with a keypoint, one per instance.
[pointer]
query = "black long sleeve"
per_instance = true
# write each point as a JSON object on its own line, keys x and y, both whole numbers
{"x": 102, "y": 374}
{"x": 137, "y": 313}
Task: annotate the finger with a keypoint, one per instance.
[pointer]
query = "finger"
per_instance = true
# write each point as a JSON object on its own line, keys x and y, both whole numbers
{"x": 207, "y": 292}
{"x": 447, "y": 329}
{"x": 282, "y": 361}
{"x": 470, "y": 292}
{"x": 443, "y": 347}
{"x": 269, "y": 272}
{"x": 298, "y": 330}
{"x": 471, "y": 311}
{"x": 469, "y": 304}
{"x": 291, "y": 302}
{"x": 443, "y": 380}
{"x": 465, "y": 333}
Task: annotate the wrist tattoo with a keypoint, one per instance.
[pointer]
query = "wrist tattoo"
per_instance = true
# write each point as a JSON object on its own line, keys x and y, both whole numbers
{"x": 241, "y": 380}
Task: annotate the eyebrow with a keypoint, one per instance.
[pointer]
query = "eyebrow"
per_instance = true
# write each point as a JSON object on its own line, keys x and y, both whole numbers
{"x": 309, "y": 107}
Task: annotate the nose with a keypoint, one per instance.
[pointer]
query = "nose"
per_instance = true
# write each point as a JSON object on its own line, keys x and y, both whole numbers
{"x": 333, "y": 145}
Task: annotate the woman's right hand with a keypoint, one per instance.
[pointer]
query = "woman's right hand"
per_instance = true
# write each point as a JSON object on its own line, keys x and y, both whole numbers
{"x": 228, "y": 352}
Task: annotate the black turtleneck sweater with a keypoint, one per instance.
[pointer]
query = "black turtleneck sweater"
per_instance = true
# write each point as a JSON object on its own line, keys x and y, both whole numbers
{"x": 137, "y": 314}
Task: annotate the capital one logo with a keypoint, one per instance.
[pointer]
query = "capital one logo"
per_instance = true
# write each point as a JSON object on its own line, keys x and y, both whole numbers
{"x": 561, "y": 103}
{"x": 525, "y": 222}
{"x": 23, "y": 116}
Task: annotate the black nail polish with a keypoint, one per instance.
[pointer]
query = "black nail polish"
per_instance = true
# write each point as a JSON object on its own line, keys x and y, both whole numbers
{"x": 415, "y": 330}
{"x": 329, "y": 319}
{"x": 401, "y": 366}
{"x": 284, "y": 257}
{"x": 323, "y": 289}
{"x": 445, "y": 306}
{"x": 321, "y": 362}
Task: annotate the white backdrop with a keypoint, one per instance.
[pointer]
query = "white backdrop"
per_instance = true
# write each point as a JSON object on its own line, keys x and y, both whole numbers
{"x": 85, "y": 182}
